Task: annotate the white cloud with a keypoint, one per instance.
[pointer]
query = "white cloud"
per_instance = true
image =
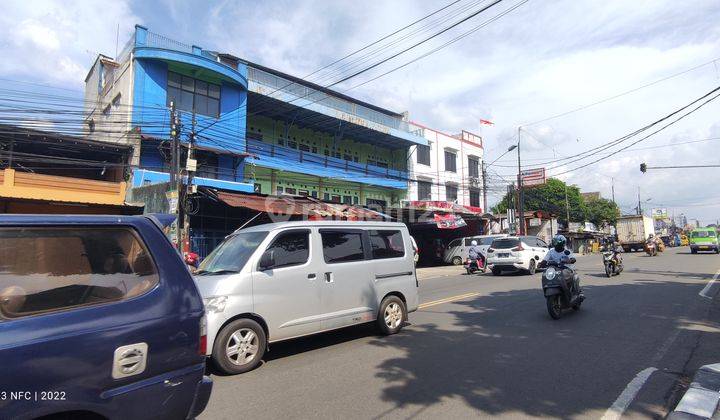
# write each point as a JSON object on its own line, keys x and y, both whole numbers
{"x": 56, "y": 41}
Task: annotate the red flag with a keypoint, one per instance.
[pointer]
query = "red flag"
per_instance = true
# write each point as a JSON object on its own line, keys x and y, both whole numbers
{"x": 486, "y": 122}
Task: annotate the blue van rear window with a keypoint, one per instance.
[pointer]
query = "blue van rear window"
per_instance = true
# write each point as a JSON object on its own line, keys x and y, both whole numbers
{"x": 50, "y": 269}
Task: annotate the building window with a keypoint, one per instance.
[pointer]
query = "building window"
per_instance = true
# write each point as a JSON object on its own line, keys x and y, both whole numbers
{"x": 304, "y": 147}
{"x": 347, "y": 199}
{"x": 473, "y": 167}
{"x": 423, "y": 154}
{"x": 424, "y": 188}
{"x": 290, "y": 191}
{"x": 193, "y": 95}
{"x": 475, "y": 197}
{"x": 335, "y": 199}
{"x": 451, "y": 192}
{"x": 450, "y": 164}
{"x": 207, "y": 164}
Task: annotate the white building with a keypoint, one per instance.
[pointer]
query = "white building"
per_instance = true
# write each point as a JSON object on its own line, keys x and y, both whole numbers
{"x": 448, "y": 169}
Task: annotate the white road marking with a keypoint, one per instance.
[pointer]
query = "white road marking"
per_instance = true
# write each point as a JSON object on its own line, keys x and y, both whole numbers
{"x": 704, "y": 292}
{"x": 629, "y": 393}
{"x": 665, "y": 347}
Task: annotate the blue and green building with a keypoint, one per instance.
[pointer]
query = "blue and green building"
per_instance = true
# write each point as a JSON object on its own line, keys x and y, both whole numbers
{"x": 257, "y": 130}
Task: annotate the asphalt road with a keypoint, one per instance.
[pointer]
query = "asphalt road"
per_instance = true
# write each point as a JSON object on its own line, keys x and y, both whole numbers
{"x": 485, "y": 346}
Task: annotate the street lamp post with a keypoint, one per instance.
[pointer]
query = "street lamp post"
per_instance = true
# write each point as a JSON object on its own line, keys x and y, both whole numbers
{"x": 521, "y": 196}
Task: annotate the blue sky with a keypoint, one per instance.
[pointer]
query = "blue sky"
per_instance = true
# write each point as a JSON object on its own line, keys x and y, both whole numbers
{"x": 547, "y": 57}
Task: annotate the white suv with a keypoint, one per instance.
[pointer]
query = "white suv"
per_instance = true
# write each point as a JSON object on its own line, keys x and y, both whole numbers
{"x": 516, "y": 253}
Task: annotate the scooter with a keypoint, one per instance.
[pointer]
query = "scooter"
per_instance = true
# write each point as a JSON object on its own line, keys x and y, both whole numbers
{"x": 471, "y": 266}
{"x": 651, "y": 249}
{"x": 612, "y": 267}
{"x": 561, "y": 287}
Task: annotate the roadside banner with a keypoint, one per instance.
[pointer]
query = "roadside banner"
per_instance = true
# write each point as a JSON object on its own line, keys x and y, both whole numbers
{"x": 532, "y": 177}
{"x": 660, "y": 213}
{"x": 448, "y": 221}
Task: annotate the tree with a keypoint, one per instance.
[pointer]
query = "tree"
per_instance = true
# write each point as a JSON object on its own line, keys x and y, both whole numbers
{"x": 602, "y": 212}
{"x": 550, "y": 197}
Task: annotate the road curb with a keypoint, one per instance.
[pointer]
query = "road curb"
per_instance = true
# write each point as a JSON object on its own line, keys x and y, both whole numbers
{"x": 701, "y": 399}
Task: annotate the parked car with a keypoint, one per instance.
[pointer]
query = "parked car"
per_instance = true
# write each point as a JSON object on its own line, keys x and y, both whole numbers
{"x": 278, "y": 281}
{"x": 704, "y": 239}
{"x": 457, "y": 250}
{"x": 99, "y": 318}
{"x": 516, "y": 253}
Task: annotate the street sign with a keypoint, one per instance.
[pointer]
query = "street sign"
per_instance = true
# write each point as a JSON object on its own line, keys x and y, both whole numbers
{"x": 660, "y": 214}
{"x": 532, "y": 177}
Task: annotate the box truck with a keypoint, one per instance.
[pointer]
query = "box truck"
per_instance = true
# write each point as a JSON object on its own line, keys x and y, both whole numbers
{"x": 633, "y": 231}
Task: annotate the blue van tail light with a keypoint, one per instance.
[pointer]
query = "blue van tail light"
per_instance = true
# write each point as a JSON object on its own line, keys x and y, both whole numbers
{"x": 202, "y": 346}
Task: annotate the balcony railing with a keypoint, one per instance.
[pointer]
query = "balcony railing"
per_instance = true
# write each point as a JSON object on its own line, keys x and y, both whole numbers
{"x": 34, "y": 186}
{"x": 299, "y": 91}
{"x": 292, "y": 156}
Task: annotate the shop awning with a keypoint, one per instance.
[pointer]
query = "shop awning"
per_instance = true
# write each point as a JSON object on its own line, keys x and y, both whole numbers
{"x": 298, "y": 206}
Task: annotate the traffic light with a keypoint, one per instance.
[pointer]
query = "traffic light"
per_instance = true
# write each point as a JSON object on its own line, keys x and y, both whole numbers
{"x": 643, "y": 167}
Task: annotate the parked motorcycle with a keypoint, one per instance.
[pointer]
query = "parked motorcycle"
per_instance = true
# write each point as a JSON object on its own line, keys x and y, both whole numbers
{"x": 651, "y": 249}
{"x": 612, "y": 265}
{"x": 561, "y": 287}
{"x": 471, "y": 266}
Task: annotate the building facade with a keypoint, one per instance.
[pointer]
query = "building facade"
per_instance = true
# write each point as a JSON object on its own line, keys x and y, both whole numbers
{"x": 448, "y": 168}
{"x": 249, "y": 128}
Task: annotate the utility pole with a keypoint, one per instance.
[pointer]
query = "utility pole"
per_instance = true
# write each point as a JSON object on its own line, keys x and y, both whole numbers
{"x": 190, "y": 168}
{"x": 567, "y": 209}
{"x": 639, "y": 207}
{"x": 484, "y": 185}
{"x": 613, "y": 190}
{"x": 521, "y": 197}
{"x": 175, "y": 177}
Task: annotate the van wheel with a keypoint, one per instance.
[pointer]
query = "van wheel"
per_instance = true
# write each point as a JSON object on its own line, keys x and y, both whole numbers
{"x": 457, "y": 261}
{"x": 392, "y": 315}
{"x": 239, "y": 347}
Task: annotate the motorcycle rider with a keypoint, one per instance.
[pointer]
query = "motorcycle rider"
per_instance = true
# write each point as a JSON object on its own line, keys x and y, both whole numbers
{"x": 560, "y": 255}
{"x": 475, "y": 253}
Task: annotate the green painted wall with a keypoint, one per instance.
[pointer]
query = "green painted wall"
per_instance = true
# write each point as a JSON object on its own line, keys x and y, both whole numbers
{"x": 318, "y": 142}
{"x": 300, "y": 182}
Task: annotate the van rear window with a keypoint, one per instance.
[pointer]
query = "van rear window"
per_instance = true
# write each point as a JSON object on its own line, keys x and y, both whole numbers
{"x": 505, "y": 243}
{"x": 386, "y": 244}
{"x": 50, "y": 269}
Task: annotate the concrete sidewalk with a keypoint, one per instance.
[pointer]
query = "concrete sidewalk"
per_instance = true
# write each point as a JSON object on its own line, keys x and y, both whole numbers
{"x": 442, "y": 271}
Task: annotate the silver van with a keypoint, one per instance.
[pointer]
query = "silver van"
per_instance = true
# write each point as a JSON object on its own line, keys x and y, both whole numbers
{"x": 456, "y": 252}
{"x": 278, "y": 281}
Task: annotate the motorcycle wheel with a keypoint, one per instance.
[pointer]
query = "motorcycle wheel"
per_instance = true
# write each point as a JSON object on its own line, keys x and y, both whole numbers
{"x": 553, "y": 306}
{"x": 608, "y": 270}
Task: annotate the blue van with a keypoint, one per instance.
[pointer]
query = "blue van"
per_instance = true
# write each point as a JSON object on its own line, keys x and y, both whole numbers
{"x": 99, "y": 318}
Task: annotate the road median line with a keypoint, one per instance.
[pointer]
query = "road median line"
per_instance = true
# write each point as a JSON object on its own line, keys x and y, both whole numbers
{"x": 447, "y": 300}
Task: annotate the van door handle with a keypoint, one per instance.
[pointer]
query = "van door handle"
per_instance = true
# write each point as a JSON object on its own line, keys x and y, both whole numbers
{"x": 312, "y": 276}
{"x": 328, "y": 277}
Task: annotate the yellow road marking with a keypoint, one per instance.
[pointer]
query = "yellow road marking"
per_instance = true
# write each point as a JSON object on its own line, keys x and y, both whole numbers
{"x": 447, "y": 300}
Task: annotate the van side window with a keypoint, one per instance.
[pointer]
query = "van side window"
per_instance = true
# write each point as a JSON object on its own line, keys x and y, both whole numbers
{"x": 50, "y": 269}
{"x": 386, "y": 244}
{"x": 342, "y": 246}
{"x": 468, "y": 241}
{"x": 291, "y": 248}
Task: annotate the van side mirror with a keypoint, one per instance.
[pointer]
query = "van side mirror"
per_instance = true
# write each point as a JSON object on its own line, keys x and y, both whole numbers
{"x": 267, "y": 260}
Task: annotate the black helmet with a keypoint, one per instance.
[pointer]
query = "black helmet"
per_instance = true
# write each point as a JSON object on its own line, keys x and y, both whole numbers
{"x": 558, "y": 242}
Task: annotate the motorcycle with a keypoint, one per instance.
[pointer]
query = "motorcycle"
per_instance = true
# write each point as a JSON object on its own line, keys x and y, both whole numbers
{"x": 612, "y": 265}
{"x": 561, "y": 287}
{"x": 471, "y": 266}
{"x": 651, "y": 249}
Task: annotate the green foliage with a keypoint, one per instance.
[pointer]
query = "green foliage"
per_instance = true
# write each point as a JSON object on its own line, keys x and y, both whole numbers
{"x": 550, "y": 197}
{"x": 602, "y": 212}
